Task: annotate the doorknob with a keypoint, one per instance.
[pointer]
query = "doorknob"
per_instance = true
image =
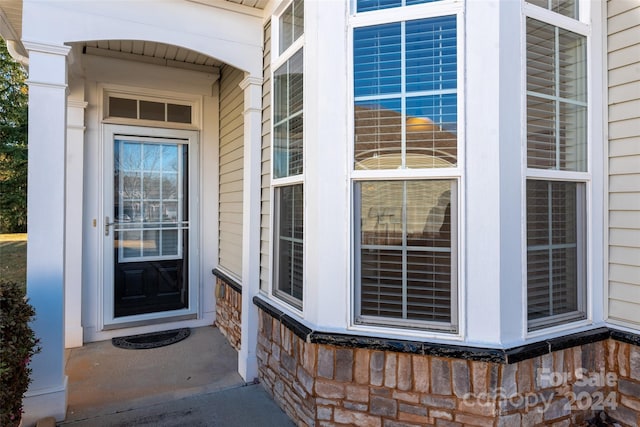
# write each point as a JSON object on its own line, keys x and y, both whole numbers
{"x": 107, "y": 224}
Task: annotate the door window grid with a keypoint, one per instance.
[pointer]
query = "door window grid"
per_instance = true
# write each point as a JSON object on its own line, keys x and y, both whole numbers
{"x": 149, "y": 213}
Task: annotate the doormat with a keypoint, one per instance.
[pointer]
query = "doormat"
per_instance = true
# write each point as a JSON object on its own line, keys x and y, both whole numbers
{"x": 151, "y": 340}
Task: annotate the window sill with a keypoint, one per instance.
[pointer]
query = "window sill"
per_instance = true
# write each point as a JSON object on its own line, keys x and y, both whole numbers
{"x": 457, "y": 351}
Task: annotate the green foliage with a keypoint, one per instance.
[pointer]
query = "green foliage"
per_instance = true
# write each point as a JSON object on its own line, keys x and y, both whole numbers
{"x": 13, "y": 144}
{"x": 17, "y": 344}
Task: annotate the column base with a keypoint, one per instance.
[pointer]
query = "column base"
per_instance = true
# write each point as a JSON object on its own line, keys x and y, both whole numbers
{"x": 51, "y": 402}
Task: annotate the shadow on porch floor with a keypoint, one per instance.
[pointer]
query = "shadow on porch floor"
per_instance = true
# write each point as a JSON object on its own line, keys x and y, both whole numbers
{"x": 113, "y": 386}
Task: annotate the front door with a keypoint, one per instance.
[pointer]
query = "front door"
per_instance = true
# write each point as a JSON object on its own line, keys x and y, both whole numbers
{"x": 148, "y": 224}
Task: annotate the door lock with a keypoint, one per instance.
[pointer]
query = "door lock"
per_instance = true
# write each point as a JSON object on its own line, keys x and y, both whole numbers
{"x": 107, "y": 224}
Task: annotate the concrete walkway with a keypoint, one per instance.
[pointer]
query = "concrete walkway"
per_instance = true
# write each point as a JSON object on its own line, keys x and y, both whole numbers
{"x": 191, "y": 383}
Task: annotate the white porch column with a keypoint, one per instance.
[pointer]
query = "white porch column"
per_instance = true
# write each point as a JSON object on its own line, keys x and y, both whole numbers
{"x": 247, "y": 361}
{"x": 47, "y": 395}
{"x": 73, "y": 221}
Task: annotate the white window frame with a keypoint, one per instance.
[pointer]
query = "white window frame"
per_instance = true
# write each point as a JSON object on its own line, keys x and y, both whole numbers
{"x": 277, "y": 60}
{"x": 584, "y": 219}
{"x": 388, "y": 327}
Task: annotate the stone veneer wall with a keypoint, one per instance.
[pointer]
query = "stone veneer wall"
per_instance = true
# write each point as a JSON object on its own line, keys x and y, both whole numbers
{"x": 228, "y": 311}
{"x": 319, "y": 384}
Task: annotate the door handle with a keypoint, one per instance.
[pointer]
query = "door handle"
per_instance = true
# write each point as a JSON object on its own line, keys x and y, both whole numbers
{"x": 107, "y": 224}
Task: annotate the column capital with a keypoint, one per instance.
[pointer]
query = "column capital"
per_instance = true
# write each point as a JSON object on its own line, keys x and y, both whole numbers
{"x": 251, "y": 80}
{"x": 53, "y": 49}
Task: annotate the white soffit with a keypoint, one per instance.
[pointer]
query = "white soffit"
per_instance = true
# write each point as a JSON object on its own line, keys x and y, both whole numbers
{"x": 152, "y": 53}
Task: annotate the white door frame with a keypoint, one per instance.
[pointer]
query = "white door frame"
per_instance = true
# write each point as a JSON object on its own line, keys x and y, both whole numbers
{"x": 106, "y": 319}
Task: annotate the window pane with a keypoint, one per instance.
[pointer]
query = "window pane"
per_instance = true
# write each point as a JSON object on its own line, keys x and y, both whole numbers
{"x": 286, "y": 28}
{"x": 431, "y": 60}
{"x": 295, "y": 83}
{"x": 298, "y": 19}
{"x": 555, "y": 252}
{"x": 121, "y": 107}
{"x": 572, "y": 125}
{"x": 564, "y": 7}
{"x": 572, "y": 66}
{"x": 291, "y": 24}
{"x": 540, "y": 57}
{"x": 556, "y": 98}
{"x": 541, "y": 133}
{"x": 431, "y": 139}
{"x": 280, "y": 150}
{"x": 152, "y": 110}
{"x": 178, "y": 113}
{"x": 367, "y": 5}
{"x": 378, "y": 135}
{"x": 405, "y": 245}
{"x": 295, "y": 153}
{"x": 289, "y": 244}
{"x": 377, "y": 60}
{"x": 289, "y": 129}
{"x": 408, "y": 122}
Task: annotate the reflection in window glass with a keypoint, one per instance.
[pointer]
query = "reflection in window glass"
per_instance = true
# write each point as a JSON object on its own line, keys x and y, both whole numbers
{"x": 564, "y": 7}
{"x": 406, "y": 104}
{"x": 368, "y": 5}
{"x": 405, "y": 246}
{"x": 288, "y": 117}
{"x": 291, "y": 24}
{"x": 149, "y": 200}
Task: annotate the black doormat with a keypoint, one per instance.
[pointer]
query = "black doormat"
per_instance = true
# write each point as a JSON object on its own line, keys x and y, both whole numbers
{"x": 151, "y": 340}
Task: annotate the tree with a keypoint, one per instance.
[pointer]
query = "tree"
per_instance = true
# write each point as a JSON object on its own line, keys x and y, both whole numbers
{"x": 13, "y": 144}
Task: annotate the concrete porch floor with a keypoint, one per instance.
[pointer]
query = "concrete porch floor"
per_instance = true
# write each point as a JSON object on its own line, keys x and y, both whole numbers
{"x": 192, "y": 382}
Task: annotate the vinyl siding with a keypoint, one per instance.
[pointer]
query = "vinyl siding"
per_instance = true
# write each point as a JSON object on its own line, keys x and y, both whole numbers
{"x": 623, "y": 62}
{"x": 231, "y": 164}
{"x": 265, "y": 230}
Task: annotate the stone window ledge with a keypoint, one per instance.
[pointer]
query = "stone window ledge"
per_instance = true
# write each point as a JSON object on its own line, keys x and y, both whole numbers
{"x": 505, "y": 356}
{"x": 231, "y": 282}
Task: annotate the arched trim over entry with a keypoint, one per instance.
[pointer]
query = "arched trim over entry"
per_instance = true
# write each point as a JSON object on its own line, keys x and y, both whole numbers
{"x": 229, "y": 36}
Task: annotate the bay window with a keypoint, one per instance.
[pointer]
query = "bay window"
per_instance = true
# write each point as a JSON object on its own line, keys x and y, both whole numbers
{"x": 288, "y": 157}
{"x": 405, "y": 168}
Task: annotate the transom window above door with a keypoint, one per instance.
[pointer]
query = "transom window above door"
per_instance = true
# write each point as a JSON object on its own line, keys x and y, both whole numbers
{"x": 148, "y": 109}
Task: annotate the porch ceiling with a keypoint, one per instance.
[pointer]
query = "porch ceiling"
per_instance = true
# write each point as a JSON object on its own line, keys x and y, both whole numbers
{"x": 151, "y": 52}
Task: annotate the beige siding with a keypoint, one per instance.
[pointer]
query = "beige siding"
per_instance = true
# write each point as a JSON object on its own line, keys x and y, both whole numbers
{"x": 231, "y": 163}
{"x": 623, "y": 61}
{"x": 265, "y": 232}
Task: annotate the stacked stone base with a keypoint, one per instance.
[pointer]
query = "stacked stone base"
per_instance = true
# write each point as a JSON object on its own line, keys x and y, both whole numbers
{"x": 326, "y": 385}
{"x": 229, "y": 311}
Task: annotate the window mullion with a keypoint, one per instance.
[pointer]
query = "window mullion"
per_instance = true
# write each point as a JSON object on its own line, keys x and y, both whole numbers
{"x": 550, "y": 241}
{"x": 403, "y": 95}
{"x": 404, "y": 250}
{"x": 556, "y": 69}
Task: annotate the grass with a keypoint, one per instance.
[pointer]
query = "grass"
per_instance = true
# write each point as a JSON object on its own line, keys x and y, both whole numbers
{"x": 13, "y": 257}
